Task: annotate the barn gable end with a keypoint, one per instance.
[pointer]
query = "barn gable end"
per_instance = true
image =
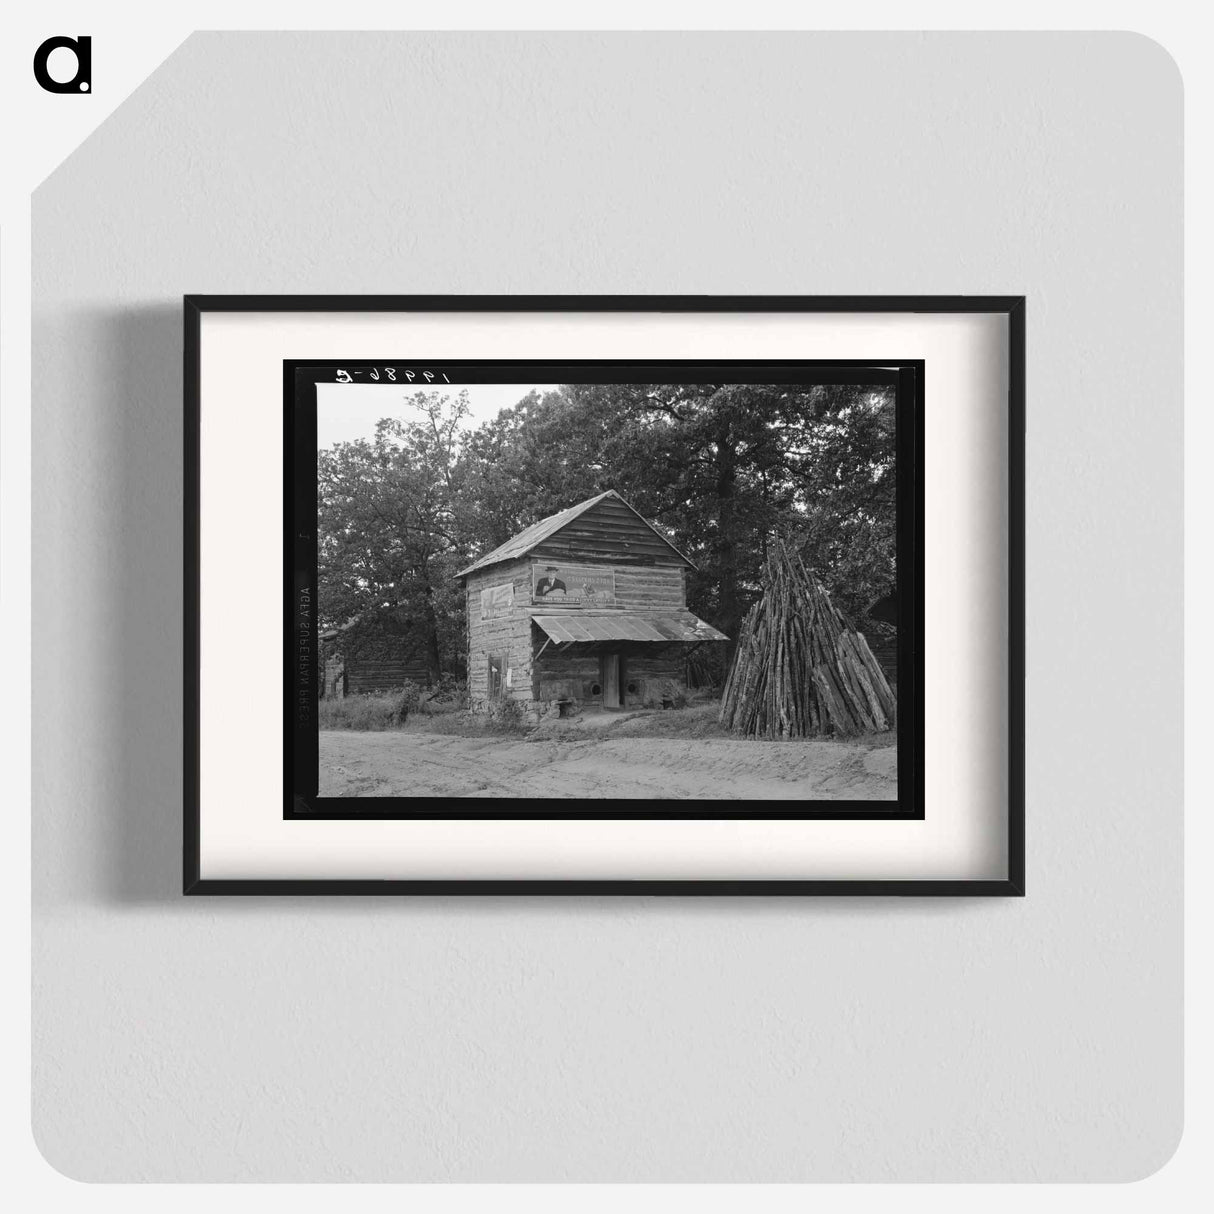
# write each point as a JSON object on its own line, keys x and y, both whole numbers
{"x": 610, "y": 530}
{"x": 601, "y": 528}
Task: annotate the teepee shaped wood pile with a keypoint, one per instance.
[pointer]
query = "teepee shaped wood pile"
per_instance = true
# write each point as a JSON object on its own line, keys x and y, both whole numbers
{"x": 799, "y": 668}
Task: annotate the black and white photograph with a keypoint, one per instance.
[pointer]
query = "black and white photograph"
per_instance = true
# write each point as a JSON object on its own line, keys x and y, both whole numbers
{"x": 611, "y": 582}
{"x": 611, "y": 594}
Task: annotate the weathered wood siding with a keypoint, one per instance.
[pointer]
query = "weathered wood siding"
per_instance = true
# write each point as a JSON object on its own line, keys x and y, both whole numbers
{"x": 654, "y": 587}
{"x": 569, "y": 677}
{"x": 646, "y": 676}
{"x": 608, "y": 532}
{"x": 649, "y": 577}
{"x": 649, "y": 678}
{"x": 637, "y": 589}
{"x": 509, "y": 634}
{"x": 383, "y": 674}
{"x": 645, "y": 588}
{"x": 383, "y": 668}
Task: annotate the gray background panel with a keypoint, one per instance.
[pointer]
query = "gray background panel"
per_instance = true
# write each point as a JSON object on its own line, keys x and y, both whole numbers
{"x": 632, "y": 1039}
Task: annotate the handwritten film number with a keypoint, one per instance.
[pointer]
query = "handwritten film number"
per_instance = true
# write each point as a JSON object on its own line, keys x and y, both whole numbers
{"x": 390, "y": 374}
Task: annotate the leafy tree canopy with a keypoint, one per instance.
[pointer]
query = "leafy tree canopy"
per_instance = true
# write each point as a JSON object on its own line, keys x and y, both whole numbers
{"x": 723, "y": 468}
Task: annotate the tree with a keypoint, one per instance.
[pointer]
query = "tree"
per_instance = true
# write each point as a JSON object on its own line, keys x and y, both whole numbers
{"x": 387, "y": 548}
{"x": 723, "y": 467}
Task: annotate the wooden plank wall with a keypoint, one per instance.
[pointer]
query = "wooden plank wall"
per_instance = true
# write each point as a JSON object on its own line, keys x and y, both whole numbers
{"x": 650, "y": 675}
{"x": 637, "y": 588}
{"x": 574, "y": 675}
{"x": 650, "y": 588}
{"x": 383, "y": 674}
{"x": 609, "y": 532}
{"x": 649, "y": 576}
{"x": 509, "y": 635}
{"x": 381, "y": 670}
{"x": 560, "y": 676}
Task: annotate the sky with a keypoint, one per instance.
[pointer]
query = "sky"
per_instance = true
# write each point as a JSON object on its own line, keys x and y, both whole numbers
{"x": 346, "y": 412}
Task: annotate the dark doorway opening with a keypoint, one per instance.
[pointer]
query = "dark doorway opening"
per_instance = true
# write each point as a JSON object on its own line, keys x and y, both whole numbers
{"x": 613, "y": 681}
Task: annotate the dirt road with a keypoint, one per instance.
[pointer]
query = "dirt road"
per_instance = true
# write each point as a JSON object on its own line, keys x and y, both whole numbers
{"x": 402, "y": 763}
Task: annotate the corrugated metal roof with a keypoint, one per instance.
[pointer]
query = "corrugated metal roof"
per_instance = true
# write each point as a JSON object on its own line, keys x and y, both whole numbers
{"x": 661, "y": 627}
{"x": 534, "y": 535}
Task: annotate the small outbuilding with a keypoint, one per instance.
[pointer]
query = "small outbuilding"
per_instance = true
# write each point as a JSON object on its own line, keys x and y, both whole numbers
{"x": 586, "y": 608}
{"x": 383, "y": 664}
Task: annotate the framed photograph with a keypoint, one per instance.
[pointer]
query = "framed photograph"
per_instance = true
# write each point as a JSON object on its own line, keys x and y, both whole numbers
{"x": 604, "y": 595}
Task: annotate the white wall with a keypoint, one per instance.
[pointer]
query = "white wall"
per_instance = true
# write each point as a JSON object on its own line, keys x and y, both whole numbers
{"x": 625, "y": 1039}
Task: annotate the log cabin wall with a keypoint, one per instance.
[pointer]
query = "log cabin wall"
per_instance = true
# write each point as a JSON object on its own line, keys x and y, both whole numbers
{"x": 386, "y": 667}
{"x": 649, "y": 679}
{"x": 648, "y": 575}
{"x": 384, "y": 674}
{"x": 569, "y": 675}
{"x": 648, "y": 675}
{"x": 656, "y": 586}
{"x": 507, "y": 634}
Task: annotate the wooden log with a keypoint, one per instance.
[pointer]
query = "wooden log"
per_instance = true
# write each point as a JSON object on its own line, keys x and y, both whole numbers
{"x": 799, "y": 667}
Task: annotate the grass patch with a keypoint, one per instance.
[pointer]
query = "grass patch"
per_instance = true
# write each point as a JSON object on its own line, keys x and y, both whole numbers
{"x": 695, "y": 721}
{"x": 376, "y": 711}
{"x": 381, "y": 710}
{"x": 874, "y": 741}
{"x": 699, "y": 720}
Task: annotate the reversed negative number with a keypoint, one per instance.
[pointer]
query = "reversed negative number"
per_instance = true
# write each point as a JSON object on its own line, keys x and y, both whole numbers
{"x": 390, "y": 375}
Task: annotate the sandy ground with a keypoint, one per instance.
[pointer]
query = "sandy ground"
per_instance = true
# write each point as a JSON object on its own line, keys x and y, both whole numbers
{"x": 401, "y": 763}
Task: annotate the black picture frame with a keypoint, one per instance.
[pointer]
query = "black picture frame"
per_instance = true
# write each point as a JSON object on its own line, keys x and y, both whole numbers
{"x": 301, "y": 800}
{"x": 1011, "y": 307}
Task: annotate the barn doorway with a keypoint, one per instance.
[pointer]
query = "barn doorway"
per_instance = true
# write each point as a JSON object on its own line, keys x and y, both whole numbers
{"x": 497, "y": 667}
{"x": 613, "y": 685}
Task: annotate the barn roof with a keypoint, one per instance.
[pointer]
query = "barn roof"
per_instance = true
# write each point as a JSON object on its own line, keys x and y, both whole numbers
{"x": 531, "y": 537}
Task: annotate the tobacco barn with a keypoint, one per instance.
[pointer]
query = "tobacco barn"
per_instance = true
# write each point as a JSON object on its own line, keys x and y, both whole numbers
{"x": 586, "y": 608}
{"x": 380, "y": 664}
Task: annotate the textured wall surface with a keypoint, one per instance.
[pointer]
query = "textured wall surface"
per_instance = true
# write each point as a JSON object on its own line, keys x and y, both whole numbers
{"x": 633, "y": 1039}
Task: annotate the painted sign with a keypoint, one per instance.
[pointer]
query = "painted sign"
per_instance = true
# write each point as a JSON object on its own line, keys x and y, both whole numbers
{"x": 572, "y": 585}
{"x": 496, "y": 601}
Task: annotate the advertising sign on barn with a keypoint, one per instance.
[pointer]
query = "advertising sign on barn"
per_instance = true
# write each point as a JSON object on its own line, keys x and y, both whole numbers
{"x": 572, "y": 585}
{"x": 496, "y": 601}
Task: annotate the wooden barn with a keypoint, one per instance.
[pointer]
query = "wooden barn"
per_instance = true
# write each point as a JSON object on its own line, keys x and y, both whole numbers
{"x": 379, "y": 665}
{"x": 586, "y": 608}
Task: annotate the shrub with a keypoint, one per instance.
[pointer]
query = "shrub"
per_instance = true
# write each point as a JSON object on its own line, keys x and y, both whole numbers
{"x": 373, "y": 711}
{"x": 506, "y": 711}
{"x": 450, "y": 690}
{"x": 407, "y": 700}
{"x": 673, "y": 694}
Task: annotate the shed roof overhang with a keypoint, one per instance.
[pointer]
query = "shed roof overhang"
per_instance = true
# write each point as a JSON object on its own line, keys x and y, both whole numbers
{"x": 656, "y": 627}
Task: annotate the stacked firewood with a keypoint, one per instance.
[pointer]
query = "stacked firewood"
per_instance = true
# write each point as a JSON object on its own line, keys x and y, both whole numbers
{"x": 799, "y": 668}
